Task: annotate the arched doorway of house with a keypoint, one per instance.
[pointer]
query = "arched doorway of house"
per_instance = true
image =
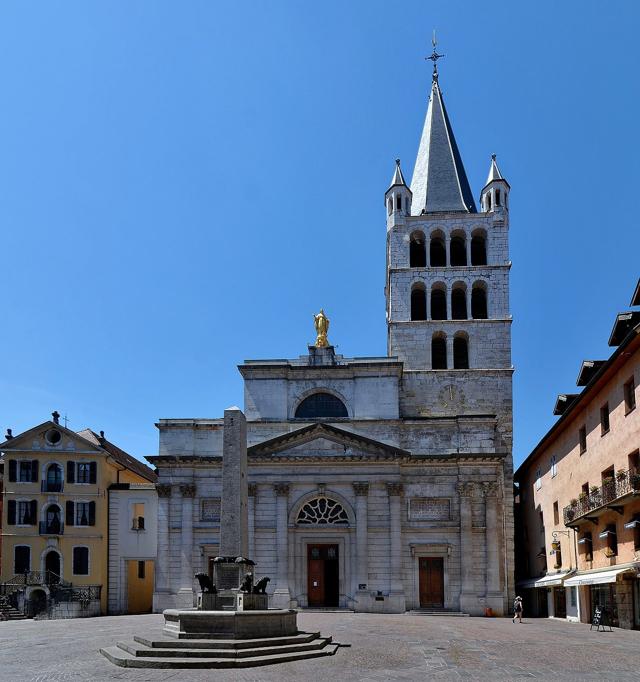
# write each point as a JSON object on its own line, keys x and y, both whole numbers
{"x": 52, "y": 566}
{"x": 38, "y": 599}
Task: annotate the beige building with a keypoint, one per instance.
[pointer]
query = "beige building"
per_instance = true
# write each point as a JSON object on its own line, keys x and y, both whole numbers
{"x": 578, "y": 505}
{"x": 55, "y": 517}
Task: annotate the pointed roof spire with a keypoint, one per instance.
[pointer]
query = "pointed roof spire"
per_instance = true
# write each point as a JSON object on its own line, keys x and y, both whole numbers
{"x": 494, "y": 171}
{"x": 398, "y": 177}
{"x": 439, "y": 180}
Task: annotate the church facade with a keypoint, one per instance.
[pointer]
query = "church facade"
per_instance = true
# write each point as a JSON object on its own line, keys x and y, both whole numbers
{"x": 378, "y": 484}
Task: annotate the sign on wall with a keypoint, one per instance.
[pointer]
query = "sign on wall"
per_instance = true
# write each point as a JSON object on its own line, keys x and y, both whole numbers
{"x": 429, "y": 509}
{"x": 210, "y": 509}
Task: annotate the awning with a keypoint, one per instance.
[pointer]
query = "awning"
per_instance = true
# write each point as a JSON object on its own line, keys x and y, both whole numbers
{"x": 552, "y": 580}
{"x": 596, "y": 577}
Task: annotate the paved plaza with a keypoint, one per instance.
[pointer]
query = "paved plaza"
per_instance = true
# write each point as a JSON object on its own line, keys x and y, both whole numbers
{"x": 376, "y": 648}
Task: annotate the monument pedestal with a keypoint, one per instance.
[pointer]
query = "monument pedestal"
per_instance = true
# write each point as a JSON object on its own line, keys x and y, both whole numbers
{"x": 281, "y": 599}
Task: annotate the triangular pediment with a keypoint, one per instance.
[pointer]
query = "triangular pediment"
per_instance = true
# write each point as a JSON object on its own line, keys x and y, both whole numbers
{"x": 34, "y": 440}
{"x": 324, "y": 441}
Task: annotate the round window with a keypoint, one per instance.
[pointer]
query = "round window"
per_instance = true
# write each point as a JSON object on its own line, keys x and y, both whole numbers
{"x": 53, "y": 436}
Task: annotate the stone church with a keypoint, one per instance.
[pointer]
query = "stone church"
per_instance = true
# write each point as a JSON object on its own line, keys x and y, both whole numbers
{"x": 378, "y": 484}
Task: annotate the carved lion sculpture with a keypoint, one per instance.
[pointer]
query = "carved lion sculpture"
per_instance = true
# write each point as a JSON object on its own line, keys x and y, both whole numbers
{"x": 261, "y": 586}
{"x": 205, "y": 583}
{"x": 247, "y": 583}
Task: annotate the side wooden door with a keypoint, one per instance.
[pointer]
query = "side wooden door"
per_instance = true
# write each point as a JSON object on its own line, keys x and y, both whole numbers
{"x": 431, "y": 572}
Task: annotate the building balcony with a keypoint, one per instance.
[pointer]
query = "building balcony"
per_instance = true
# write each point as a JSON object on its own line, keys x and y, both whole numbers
{"x": 51, "y": 486}
{"x": 53, "y": 528}
{"x": 609, "y": 495}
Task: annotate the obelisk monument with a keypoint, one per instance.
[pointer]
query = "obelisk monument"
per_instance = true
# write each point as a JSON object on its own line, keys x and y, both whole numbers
{"x": 233, "y": 513}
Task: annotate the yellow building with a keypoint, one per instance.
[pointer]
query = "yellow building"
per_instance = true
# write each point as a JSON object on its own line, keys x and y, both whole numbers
{"x": 55, "y": 517}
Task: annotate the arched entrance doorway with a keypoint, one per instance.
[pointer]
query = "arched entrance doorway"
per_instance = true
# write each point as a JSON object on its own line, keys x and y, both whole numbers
{"x": 38, "y": 602}
{"x": 52, "y": 567}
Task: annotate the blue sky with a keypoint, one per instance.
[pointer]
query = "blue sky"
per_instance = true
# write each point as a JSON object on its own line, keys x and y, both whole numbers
{"x": 183, "y": 184}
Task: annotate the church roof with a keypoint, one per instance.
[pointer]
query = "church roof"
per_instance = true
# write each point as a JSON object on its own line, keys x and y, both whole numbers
{"x": 439, "y": 182}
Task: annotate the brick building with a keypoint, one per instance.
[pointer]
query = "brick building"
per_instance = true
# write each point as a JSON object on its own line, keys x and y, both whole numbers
{"x": 376, "y": 483}
{"x": 578, "y": 505}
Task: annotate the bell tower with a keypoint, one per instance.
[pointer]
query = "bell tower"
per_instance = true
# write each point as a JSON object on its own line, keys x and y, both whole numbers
{"x": 447, "y": 280}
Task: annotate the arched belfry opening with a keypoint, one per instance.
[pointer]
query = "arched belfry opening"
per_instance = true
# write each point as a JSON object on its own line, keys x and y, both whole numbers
{"x": 417, "y": 251}
{"x": 418, "y": 302}
{"x": 479, "y": 307}
{"x": 439, "y": 351}
{"x": 438, "y": 302}
{"x": 437, "y": 250}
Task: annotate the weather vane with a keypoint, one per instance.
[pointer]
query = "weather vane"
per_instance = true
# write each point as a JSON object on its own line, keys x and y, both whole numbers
{"x": 434, "y": 56}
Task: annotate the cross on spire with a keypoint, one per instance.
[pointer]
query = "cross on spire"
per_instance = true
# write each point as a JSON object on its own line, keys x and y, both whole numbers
{"x": 434, "y": 56}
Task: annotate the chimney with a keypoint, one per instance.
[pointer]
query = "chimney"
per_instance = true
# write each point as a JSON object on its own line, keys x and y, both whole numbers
{"x": 9, "y": 435}
{"x": 56, "y": 417}
{"x": 101, "y": 436}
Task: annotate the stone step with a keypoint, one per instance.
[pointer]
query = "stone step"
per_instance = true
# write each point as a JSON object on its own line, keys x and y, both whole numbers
{"x": 148, "y": 652}
{"x": 427, "y": 612}
{"x": 300, "y": 638}
{"x": 12, "y": 614}
{"x": 127, "y": 660}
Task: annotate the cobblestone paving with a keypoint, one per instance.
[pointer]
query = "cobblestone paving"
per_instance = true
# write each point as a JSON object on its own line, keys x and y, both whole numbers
{"x": 376, "y": 648}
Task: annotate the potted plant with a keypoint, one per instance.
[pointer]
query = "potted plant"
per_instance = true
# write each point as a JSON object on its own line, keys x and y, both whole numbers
{"x": 573, "y": 503}
{"x": 594, "y": 490}
{"x": 583, "y": 497}
{"x": 621, "y": 475}
{"x": 635, "y": 481}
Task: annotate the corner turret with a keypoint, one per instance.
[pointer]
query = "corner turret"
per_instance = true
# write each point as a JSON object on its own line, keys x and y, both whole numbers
{"x": 495, "y": 194}
{"x": 397, "y": 198}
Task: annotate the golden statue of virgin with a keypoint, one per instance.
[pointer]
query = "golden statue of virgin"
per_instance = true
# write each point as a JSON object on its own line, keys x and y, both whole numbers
{"x": 321, "y": 322}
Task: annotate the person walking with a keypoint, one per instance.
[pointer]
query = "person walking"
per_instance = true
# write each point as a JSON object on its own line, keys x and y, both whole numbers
{"x": 517, "y": 610}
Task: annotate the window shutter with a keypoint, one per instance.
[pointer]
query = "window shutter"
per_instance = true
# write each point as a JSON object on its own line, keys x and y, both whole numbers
{"x": 71, "y": 472}
{"x": 12, "y": 470}
{"x": 69, "y": 513}
{"x": 11, "y": 512}
{"x": 92, "y": 472}
{"x": 34, "y": 470}
{"x": 92, "y": 513}
{"x": 33, "y": 512}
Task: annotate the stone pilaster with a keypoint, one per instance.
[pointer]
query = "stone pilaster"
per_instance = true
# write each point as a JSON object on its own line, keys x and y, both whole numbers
{"x": 493, "y": 545}
{"x": 468, "y": 596}
{"x": 252, "y": 491}
{"x": 162, "y": 563}
{"x": 187, "y": 491}
{"x": 281, "y": 594}
{"x": 361, "y": 491}
{"x": 396, "y": 585}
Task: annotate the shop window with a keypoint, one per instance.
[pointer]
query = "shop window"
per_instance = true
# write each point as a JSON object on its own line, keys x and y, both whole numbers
{"x": 629, "y": 396}
{"x": 604, "y": 419}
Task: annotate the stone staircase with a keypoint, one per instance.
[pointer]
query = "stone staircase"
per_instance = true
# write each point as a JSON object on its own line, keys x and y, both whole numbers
{"x": 436, "y": 612}
{"x": 8, "y": 612}
{"x": 209, "y": 653}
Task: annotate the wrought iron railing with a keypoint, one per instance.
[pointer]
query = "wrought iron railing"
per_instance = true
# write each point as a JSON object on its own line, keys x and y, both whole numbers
{"x": 624, "y": 483}
{"x": 55, "y": 528}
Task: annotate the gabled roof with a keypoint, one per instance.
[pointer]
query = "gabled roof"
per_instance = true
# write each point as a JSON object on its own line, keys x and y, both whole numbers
{"x": 439, "y": 182}
{"x": 564, "y": 401}
{"x": 587, "y": 370}
{"x": 27, "y": 435}
{"x": 624, "y": 323}
{"x": 312, "y": 432}
{"x": 120, "y": 456}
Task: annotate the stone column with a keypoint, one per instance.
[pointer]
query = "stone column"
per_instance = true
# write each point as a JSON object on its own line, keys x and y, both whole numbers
{"x": 188, "y": 491}
{"x": 468, "y": 295}
{"x": 251, "y": 522}
{"x": 447, "y": 295}
{"x": 468, "y": 244}
{"x": 162, "y": 562}
{"x": 362, "y": 546}
{"x": 396, "y": 586}
{"x": 447, "y": 247}
{"x": 493, "y": 544}
{"x": 449, "y": 351}
{"x": 468, "y": 597}
{"x": 281, "y": 595}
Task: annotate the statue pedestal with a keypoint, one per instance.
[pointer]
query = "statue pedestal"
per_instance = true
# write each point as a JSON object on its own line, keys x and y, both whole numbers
{"x": 232, "y": 601}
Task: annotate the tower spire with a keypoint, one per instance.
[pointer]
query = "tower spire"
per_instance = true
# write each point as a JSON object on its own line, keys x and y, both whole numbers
{"x": 439, "y": 182}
